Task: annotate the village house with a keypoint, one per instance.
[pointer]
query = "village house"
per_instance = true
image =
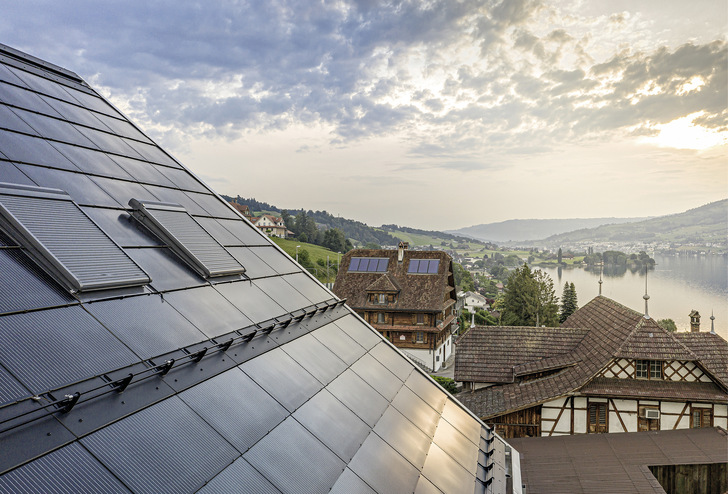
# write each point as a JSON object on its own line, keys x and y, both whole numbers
{"x": 273, "y": 226}
{"x": 608, "y": 368}
{"x": 408, "y": 296}
{"x": 474, "y": 300}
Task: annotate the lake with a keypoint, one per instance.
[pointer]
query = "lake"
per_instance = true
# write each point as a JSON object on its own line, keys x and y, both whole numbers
{"x": 677, "y": 285}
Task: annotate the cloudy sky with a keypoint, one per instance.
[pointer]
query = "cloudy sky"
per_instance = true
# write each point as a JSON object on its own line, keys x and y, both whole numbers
{"x": 433, "y": 114}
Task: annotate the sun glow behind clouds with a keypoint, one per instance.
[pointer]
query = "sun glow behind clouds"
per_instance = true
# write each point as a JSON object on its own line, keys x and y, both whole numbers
{"x": 682, "y": 133}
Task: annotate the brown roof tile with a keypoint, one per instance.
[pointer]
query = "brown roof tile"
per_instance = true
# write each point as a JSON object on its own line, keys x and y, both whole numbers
{"x": 649, "y": 341}
{"x": 606, "y": 325}
{"x": 418, "y": 292}
{"x": 489, "y": 353}
{"x": 569, "y": 463}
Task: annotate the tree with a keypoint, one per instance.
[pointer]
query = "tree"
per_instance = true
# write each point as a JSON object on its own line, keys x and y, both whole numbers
{"x": 447, "y": 383}
{"x": 667, "y": 325}
{"x": 463, "y": 278}
{"x": 568, "y": 301}
{"x": 558, "y": 259}
{"x": 334, "y": 239}
{"x": 529, "y": 299}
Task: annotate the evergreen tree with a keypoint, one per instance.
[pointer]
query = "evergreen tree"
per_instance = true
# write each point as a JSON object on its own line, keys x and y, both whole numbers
{"x": 559, "y": 255}
{"x": 569, "y": 302}
{"x": 530, "y": 299}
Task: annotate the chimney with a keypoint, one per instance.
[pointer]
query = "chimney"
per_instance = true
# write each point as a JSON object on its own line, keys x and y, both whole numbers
{"x": 403, "y": 246}
{"x": 694, "y": 321}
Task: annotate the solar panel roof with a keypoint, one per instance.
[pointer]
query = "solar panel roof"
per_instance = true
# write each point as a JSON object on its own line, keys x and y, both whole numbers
{"x": 188, "y": 382}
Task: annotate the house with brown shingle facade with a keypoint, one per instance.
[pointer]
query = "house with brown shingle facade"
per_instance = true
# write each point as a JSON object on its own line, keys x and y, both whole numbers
{"x": 408, "y": 296}
{"x": 608, "y": 368}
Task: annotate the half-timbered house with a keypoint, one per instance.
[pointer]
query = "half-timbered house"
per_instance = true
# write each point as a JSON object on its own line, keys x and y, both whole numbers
{"x": 408, "y": 296}
{"x": 606, "y": 369}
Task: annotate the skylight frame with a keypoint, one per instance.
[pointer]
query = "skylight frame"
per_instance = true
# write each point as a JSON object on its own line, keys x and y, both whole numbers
{"x": 423, "y": 266}
{"x": 208, "y": 257}
{"x": 91, "y": 262}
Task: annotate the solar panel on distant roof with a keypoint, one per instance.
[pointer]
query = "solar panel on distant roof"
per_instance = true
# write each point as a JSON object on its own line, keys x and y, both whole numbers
{"x": 369, "y": 264}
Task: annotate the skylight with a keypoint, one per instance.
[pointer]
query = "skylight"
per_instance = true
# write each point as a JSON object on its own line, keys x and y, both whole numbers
{"x": 423, "y": 266}
{"x": 64, "y": 241}
{"x": 174, "y": 226}
{"x": 369, "y": 264}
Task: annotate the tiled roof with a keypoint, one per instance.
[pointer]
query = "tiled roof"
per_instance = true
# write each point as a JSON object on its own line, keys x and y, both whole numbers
{"x": 649, "y": 341}
{"x": 385, "y": 283}
{"x": 606, "y": 325}
{"x": 615, "y": 463}
{"x": 418, "y": 292}
{"x": 643, "y": 388}
{"x": 254, "y": 382}
{"x": 713, "y": 352}
{"x": 489, "y": 353}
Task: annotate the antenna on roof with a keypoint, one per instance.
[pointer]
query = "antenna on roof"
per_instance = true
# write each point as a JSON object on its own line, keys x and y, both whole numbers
{"x": 712, "y": 322}
{"x": 645, "y": 296}
{"x": 601, "y": 268}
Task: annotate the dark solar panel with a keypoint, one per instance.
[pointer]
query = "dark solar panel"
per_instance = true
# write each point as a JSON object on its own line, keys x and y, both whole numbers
{"x": 64, "y": 241}
{"x": 423, "y": 266}
{"x": 294, "y": 460}
{"x": 10, "y": 388}
{"x": 166, "y": 448}
{"x": 186, "y": 238}
{"x": 208, "y": 310}
{"x": 369, "y": 264}
{"x": 333, "y": 424}
{"x": 49, "y": 348}
{"x": 69, "y": 470}
{"x": 375, "y": 457}
{"x": 236, "y": 407}
{"x": 239, "y": 477}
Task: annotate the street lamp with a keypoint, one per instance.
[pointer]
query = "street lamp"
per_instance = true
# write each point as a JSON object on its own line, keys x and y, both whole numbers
{"x": 297, "y": 252}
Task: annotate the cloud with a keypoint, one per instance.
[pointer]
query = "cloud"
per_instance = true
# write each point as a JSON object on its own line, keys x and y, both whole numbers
{"x": 494, "y": 76}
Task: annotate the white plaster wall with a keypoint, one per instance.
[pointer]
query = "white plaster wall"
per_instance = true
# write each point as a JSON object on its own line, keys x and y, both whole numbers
{"x": 549, "y": 413}
{"x": 579, "y": 402}
{"x": 670, "y": 407}
{"x": 614, "y": 424}
{"x": 580, "y": 421}
{"x": 705, "y": 379}
{"x": 564, "y": 423}
{"x": 625, "y": 405}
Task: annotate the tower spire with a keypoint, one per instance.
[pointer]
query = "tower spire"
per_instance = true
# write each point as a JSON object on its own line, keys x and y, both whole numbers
{"x": 712, "y": 322}
{"x": 645, "y": 296}
{"x": 601, "y": 268}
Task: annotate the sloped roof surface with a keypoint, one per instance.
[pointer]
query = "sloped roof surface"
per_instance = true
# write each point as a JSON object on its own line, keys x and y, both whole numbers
{"x": 608, "y": 330}
{"x": 262, "y": 382}
{"x": 567, "y": 463}
{"x": 425, "y": 292}
{"x": 490, "y": 353}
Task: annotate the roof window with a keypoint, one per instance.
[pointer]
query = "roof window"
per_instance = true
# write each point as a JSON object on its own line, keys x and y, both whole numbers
{"x": 64, "y": 241}
{"x": 186, "y": 238}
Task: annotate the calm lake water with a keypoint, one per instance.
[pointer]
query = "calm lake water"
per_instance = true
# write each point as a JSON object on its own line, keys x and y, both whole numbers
{"x": 676, "y": 286}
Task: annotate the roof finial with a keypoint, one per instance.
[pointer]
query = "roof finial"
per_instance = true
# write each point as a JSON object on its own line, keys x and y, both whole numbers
{"x": 645, "y": 296}
{"x": 601, "y": 268}
{"x": 712, "y": 322}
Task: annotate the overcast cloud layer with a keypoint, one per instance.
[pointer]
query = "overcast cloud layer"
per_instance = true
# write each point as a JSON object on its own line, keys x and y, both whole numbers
{"x": 434, "y": 114}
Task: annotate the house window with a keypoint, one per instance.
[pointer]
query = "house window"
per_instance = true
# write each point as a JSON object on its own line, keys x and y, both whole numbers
{"x": 648, "y": 369}
{"x": 381, "y": 318}
{"x": 701, "y": 417}
{"x": 382, "y": 298}
{"x": 420, "y": 337}
{"x": 597, "y": 418}
{"x": 420, "y": 319}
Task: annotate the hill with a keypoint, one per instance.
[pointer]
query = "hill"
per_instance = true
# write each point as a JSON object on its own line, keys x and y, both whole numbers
{"x": 703, "y": 225}
{"x": 533, "y": 229}
{"x": 358, "y": 232}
